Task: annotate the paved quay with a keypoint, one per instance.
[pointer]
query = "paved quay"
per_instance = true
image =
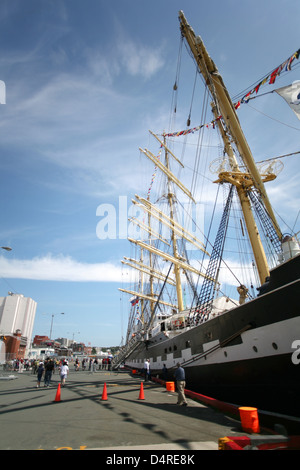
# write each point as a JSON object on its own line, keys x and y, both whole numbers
{"x": 31, "y": 419}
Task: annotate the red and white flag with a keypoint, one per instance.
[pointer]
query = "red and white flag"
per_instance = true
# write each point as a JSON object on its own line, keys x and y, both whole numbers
{"x": 134, "y": 300}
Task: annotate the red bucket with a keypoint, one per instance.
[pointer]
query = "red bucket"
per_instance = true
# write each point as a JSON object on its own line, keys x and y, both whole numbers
{"x": 170, "y": 386}
{"x": 249, "y": 419}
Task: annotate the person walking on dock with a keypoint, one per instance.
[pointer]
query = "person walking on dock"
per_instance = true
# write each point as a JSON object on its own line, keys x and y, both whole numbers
{"x": 49, "y": 367}
{"x": 63, "y": 373}
{"x": 40, "y": 373}
{"x": 164, "y": 372}
{"x": 180, "y": 382}
{"x": 147, "y": 370}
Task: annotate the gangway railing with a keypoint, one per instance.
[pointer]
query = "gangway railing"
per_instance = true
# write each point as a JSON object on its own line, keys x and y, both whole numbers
{"x": 125, "y": 352}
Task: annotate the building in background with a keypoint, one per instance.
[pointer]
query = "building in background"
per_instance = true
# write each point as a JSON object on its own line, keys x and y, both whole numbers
{"x": 62, "y": 347}
{"x": 17, "y": 314}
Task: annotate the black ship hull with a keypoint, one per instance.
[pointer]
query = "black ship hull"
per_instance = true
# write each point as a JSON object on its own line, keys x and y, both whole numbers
{"x": 248, "y": 356}
{"x": 254, "y": 382}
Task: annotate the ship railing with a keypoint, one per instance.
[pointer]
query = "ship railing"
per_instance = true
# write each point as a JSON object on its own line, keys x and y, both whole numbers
{"x": 125, "y": 352}
{"x": 217, "y": 346}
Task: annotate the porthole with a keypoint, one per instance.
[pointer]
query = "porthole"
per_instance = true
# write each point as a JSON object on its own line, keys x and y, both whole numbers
{"x": 225, "y": 353}
{"x": 275, "y": 346}
{"x": 254, "y": 348}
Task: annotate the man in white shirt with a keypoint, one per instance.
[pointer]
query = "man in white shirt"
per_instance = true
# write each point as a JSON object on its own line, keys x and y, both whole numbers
{"x": 63, "y": 373}
{"x": 147, "y": 369}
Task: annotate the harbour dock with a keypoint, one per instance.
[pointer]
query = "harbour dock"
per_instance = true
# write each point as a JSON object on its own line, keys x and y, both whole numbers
{"x": 106, "y": 410}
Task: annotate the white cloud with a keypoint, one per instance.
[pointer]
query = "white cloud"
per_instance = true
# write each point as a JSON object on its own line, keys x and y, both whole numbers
{"x": 140, "y": 60}
{"x": 59, "y": 268}
{"x": 135, "y": 58}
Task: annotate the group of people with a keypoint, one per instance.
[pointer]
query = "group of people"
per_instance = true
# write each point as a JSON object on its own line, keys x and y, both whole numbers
{"x": 93, "y": 364}
{"x": 47, "y": 368}
{"x": 19, "y": 365}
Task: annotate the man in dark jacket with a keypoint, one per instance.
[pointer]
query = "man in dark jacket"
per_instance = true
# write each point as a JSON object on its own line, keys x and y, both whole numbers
{"x": 180, "y": 382}
{"x": 49, "y": 367}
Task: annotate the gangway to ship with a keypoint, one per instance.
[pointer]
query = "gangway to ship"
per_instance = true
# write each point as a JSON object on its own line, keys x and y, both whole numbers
{"x": 125, "y": 352}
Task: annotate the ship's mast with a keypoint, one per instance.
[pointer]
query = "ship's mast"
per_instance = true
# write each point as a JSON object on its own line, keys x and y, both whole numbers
{"x": 173, "y": 238}
{"x": 151, "y": 279}
{"x": 175, "y": 229}
{"x": 242, "y": 181}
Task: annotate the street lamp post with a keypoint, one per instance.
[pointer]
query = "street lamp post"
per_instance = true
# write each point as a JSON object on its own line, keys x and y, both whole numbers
{"x": 53, "y": 315}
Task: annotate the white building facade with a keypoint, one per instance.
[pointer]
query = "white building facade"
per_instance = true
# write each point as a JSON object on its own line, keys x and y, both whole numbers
{"x": 17, "y": 313}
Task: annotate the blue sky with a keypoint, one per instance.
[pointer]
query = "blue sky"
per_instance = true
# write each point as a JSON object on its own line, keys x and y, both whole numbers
{"x": 84, "y": 83}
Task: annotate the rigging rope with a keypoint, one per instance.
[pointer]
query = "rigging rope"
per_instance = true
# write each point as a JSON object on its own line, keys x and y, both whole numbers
{"x": 175, "y": 87}
{"x": 286, "y": 66}
{"x": 189, "y": 117}
{"x": 273, "y": 119}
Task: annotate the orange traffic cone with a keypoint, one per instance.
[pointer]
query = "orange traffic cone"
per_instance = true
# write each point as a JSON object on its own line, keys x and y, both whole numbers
{"x": 141, "y": 396}
{"x": 57, "y": 396}
{"x": 104, "y": 394}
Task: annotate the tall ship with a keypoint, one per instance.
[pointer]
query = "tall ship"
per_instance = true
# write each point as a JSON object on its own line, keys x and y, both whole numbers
{"x": 241, "y": 348}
